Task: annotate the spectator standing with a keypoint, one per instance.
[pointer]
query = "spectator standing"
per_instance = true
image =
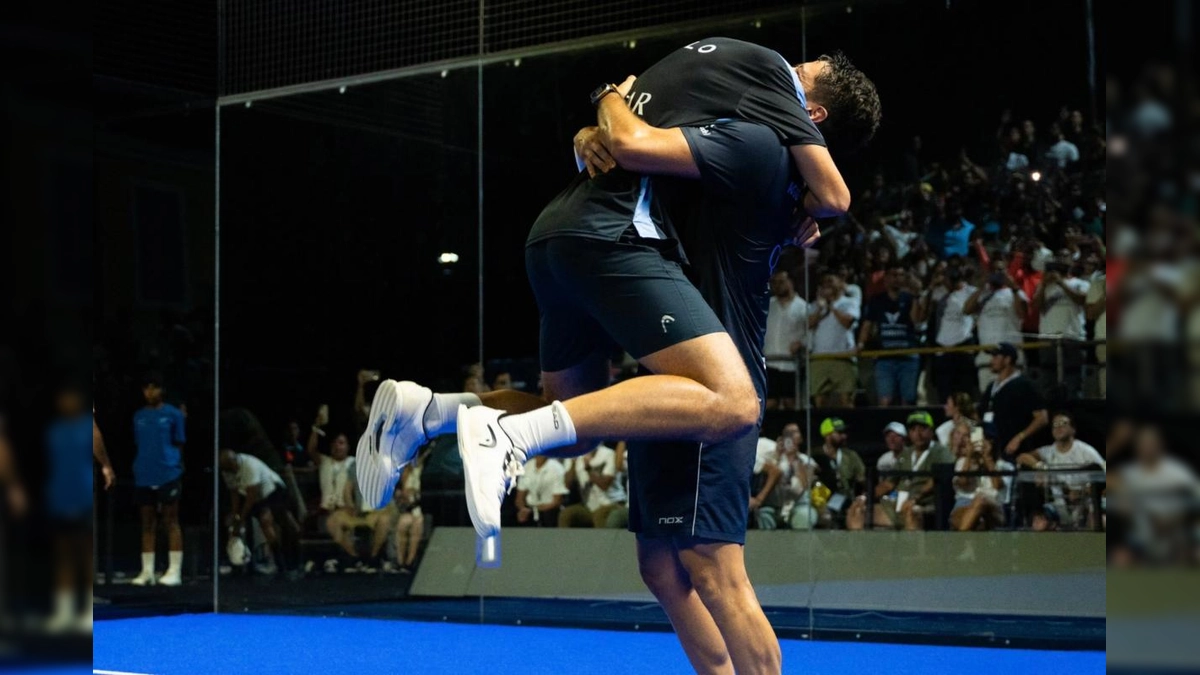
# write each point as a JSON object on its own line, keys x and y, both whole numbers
{"x": 957, "y": 239}
{"x": 787, "y": 330}
{"x": 999, "y": 306}
{"x": 1012, "y": 404}
{"x": 1060, "y": 301}
{"x": 540, "y": 492}
{"x": 954, "y": 371}
{"x": 1063, "y": 153}
{"x": 293, "y": 449}
{"x": 893, "y": 316}
{"x": 158, "y": 431}
{"x": 831, "y": 319}
{"x": 902, "y": 235}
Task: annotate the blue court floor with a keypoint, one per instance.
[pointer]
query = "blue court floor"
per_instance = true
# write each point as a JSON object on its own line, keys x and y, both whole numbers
{"x": 279, "y": 645}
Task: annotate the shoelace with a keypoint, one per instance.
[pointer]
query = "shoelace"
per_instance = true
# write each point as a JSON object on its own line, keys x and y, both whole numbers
{"x": 513, "y": 468}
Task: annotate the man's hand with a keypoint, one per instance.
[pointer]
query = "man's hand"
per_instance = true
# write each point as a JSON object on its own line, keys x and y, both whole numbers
{"x": 592, "y": 153}
{"x": 110, "y": 477}
{"x": 1015, "y": 444}
{"x": 807, "y": 233}
{"x": 524, "y": 514}
{"x": 755, "y": 502}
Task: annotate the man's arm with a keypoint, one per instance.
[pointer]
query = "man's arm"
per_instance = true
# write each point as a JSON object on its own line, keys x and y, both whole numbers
{"x": 828, "y": 195}
{"x": 1040, "y": 419}
{"x": 101, "y": 454}
{"x": 639, "y": 147}
{"x": 1077, "y": 297}
{"x": 973, "y": 304}
{"x": 865, "y": 332}
{"x": 773, "y": 474}
{"x": 845, "y": 318}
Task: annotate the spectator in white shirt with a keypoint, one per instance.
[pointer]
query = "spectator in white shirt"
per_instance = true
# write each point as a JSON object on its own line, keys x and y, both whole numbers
{"x": 787, "y": 329}
{"x": 1000, "y": 307}
{"x": 1154, "y": 499}
{"x": 540, "y": 492}
{"x": 1063, "y": 153}
{"x": 901, "y": 234}
{"x": 959, "y": 408}
{"x": 978, "y": 500}
{"x": 953, "y": 371}
{"x": 894, "y": 437}
{"x": 796, "y": 474}
{"x": 764, "y": 502}
{"x": 603, "y": 496}
{"x": 1060, "y": 302}
{"x": 831, "y": 319}
{"x": 1097, "y": 311}
{"x": 255, "y": 491}
{"x": 1069, "y": 493}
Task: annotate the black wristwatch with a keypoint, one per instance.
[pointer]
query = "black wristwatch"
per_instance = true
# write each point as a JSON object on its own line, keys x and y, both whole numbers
{"x": 602, "y": 91}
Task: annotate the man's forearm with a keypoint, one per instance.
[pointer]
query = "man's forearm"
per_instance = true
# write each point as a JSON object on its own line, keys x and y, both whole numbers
{"x": 639, "y": 147}
{"x": 827, "y": 195}
{"x": 99, "y": 451}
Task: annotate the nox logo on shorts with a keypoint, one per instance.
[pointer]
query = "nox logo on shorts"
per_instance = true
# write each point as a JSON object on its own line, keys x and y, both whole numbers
{"x": 671, "y": 520}
{"x": 667, "y": 318}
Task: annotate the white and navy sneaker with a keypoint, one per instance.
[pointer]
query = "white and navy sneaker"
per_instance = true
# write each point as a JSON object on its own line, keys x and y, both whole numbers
{"x": 491, "y": 463}
{"x": 395, "y": 431}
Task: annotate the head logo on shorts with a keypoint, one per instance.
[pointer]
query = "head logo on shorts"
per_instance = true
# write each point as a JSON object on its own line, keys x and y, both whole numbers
{"x": 667, "y": 318}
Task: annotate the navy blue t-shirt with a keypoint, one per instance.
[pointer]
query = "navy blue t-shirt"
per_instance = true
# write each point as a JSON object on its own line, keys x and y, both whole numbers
{"x": 158, "y": 433}
{"x": 69, "y": 449}
{"x": 893, "y": 318}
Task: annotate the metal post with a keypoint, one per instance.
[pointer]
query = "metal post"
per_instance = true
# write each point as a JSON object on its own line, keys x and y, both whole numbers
{"x": 872, "y": 482}
{"x": 1058, "y": 361}
{"x": 1091, "y": 62}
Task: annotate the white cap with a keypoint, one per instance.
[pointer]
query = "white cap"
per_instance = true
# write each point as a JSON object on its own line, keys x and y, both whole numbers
{"x": 895, "y": 427}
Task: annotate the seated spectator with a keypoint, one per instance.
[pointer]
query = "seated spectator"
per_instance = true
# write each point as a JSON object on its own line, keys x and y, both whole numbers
{"x": 503, "y": 381}
{"x": 914, "y": 495}
{"x": 894, "y": 436}
{"x": 959, "y": 408}
{"x": 1153, "y": 499}
{"x": 978, "y": 500}
{"x": 831, "y": 318}
{"x": 1068, "y": 493}
{"x": 797, "y": 471}
{"x": 839, "y": 468}
{"x": 540, "y": 492}
{"x": 341, "y": 511}
{"x": 603, "y": 497}
{"x": 763, "y": 506}
{"x": 255, "y": 491}
{"x": 410, "y": 521}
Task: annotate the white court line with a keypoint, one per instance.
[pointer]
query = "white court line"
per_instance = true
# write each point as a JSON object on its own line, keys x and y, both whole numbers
{"x": 115, "y": 672}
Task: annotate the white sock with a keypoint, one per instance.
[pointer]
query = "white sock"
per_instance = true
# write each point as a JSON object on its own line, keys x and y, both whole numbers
{"x": 541, "y": 430}
{"x": 64, "y": 603}
{"x": 148, "y": 563}
{"x": 441, "y": 417}
{"x": 176, "y": 558}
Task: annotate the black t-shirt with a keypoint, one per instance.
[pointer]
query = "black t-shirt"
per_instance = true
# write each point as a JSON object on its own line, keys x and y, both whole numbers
{"x": 1011, "y": 410}
{"x": 701, "y": 83}
{"x": 732, "y": 222}
{"x": 893, "y": 318}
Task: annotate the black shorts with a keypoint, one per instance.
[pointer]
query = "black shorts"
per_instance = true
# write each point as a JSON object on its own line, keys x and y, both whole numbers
{"x": 690, "y": 491}
{"x": 159, "y": 495}
{"x": 595, "y": 294}
{"x": 276, "y": 503}
{"x": 78, "y": 525}
{"x": 782, "y": 384}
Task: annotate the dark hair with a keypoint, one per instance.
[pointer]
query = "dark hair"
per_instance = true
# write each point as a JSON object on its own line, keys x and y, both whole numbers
{"x": 152, "y": 377}
{"x": 896, "y": 264}
{"x": 1064, "y": 413}
{"x": 851, "y": 100}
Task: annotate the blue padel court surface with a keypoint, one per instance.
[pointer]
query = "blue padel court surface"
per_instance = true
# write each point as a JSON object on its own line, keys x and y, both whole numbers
{"x": 278, "y": 645}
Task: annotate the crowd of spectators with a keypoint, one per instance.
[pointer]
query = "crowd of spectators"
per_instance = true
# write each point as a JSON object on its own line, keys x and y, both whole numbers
{"x": 1007, "y": 247}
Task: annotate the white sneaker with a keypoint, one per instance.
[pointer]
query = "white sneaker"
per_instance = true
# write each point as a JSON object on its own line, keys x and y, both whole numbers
{"x": 490, "y": 465}
{"x": 146, "y": 578}
{"x": 395, "y": 431}
{"x": 171, "y": 578}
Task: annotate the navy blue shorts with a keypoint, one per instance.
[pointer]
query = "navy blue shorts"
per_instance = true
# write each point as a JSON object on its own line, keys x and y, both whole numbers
{"x": 690, "y": 491}
{"x": 593, "y": 295}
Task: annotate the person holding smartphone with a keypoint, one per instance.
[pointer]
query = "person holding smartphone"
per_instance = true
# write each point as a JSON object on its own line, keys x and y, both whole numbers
{"x": 977, "y": 499}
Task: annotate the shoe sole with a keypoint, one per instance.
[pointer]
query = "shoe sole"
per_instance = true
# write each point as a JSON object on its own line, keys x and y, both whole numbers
{"x": 373, "y": 478}
{"x": 466, "y": 440}
{"x": 394, "y": 429}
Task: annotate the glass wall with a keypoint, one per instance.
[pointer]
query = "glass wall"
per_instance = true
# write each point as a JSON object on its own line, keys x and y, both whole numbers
{"x": 364, "y": 236}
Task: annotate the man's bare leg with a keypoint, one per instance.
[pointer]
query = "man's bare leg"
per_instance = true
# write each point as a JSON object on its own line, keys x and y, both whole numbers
{"x": 718, "y": 573}
{"x": 698, "y": 633}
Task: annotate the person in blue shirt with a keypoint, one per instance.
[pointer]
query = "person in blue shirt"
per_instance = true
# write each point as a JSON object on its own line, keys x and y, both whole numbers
{"x": 957, "y": 239}
{"x": 72, "y": 440}
{"x": 157, "y": 473}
